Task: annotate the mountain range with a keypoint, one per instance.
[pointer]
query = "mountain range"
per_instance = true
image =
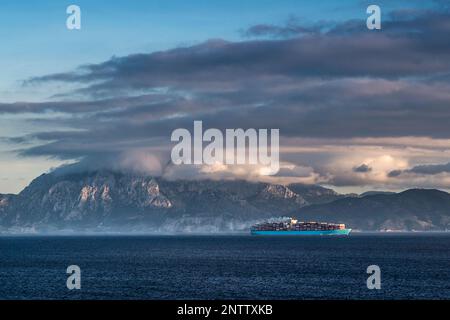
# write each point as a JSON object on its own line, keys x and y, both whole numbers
{"x": 108, "y": 201}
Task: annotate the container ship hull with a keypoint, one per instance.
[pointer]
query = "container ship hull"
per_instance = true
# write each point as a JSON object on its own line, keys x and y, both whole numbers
{"x": 344, "y": 232}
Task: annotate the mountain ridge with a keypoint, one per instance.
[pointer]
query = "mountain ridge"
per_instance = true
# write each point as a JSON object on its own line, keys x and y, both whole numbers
{"x": 412, "y": 209}
{"x": 129, "y": 202}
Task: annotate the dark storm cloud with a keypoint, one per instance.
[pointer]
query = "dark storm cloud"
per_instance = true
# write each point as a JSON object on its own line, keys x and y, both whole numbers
{"x": 291, "y": 28}
{"x": 428, "y": 169}
{"x": 83, "y": 106}
{"x": 359, "y": 112}
{"x": 362, "y": 168}
{"x": 431, "y": 168}
{"x": 395, "y": 173}
{"x": 344, "y": 108}
{"x": 328, "y": 81}
{"x": 216, "y": 65}
{"x": 406, "y": 47}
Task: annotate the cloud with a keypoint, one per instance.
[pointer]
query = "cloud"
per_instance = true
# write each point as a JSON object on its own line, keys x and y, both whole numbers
{"x": 426, "y": 169}
{"x": 331, "y": 84}
{"x": 291, "y": 28}
{"x": 328, "y": 87}
{"x": 431, "y": 168}
{"x": 394, "y": 173}
{"x": 412, "y": 46}
{"x": 112, "y": 105}
{"x": 288, "y": 173}
{"x": 362, "y": 168}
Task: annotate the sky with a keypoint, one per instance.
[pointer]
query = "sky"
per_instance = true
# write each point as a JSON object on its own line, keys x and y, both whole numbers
{"x": 357, "y": 109}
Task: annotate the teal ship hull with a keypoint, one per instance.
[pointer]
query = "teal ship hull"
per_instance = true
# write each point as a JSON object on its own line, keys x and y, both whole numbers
{"x": 344, "y": 232}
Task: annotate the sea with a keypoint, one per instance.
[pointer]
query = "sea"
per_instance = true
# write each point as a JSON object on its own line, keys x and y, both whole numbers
{"x": 412, "y": 266}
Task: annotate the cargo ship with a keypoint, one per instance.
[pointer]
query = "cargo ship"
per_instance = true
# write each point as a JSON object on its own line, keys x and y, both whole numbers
{"x": 292, "y": 226}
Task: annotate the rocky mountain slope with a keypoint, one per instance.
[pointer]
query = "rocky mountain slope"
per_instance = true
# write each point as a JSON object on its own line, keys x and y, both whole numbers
{"x": 315, "y": 194}
{"x": 111, "y": 200}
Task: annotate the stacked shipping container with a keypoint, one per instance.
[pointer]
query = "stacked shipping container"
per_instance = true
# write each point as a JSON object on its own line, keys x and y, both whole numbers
{"x": 293, "y": 225}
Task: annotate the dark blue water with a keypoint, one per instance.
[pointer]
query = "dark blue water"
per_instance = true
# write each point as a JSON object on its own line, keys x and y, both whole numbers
{"x": 226, "y": 267}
